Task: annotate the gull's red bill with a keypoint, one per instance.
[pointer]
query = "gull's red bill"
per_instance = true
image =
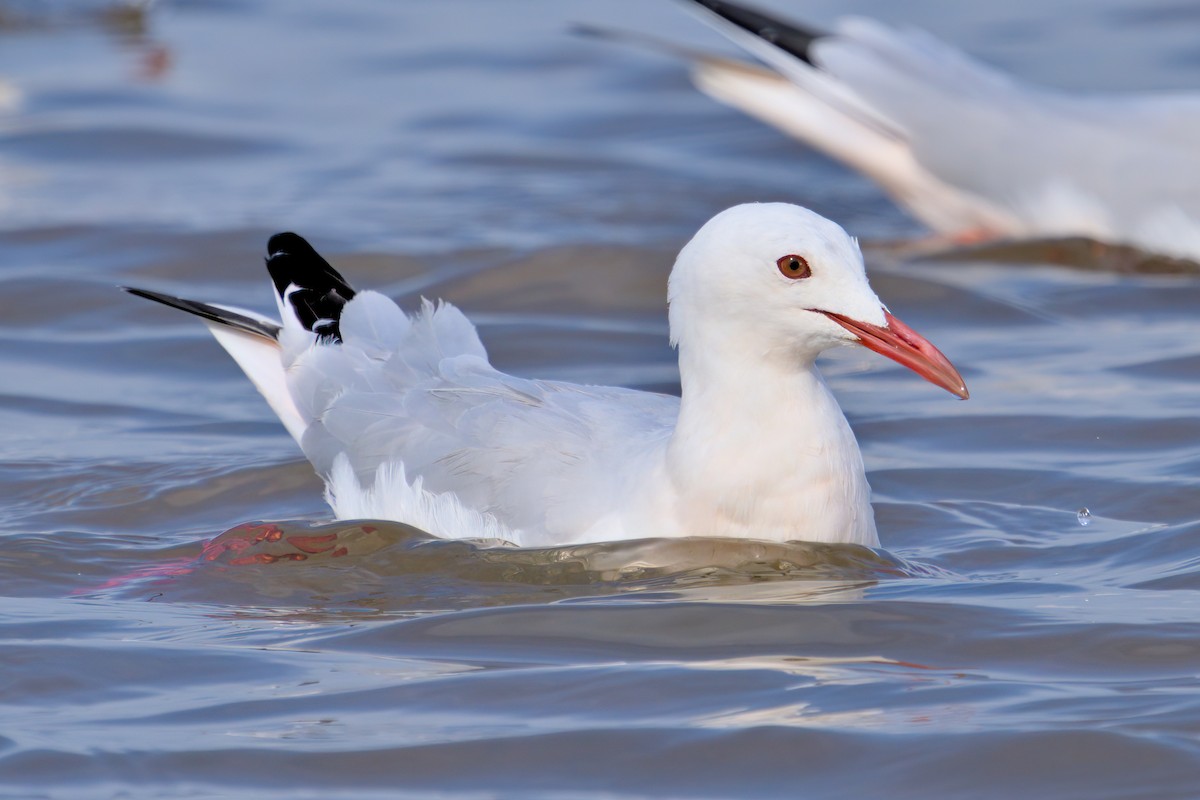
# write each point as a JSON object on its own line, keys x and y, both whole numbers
{"x": 905, "y": 346}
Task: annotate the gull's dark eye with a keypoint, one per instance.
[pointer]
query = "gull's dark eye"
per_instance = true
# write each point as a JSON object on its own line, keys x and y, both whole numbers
{"x": 794, "y": 267}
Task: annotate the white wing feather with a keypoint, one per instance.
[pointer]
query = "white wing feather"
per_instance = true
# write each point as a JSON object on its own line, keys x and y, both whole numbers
{"x": 259, "y": 358}
{"x": 416, "y": 395}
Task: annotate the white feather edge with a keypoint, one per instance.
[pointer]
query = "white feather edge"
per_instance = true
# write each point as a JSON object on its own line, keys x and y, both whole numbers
{"x": 391, "y": 496}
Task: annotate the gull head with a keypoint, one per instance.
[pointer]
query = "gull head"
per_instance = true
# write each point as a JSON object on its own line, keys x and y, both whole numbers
{"x": 777, "y": 282}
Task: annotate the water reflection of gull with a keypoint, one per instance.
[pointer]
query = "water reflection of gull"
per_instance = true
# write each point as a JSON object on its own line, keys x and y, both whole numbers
{"x": 966, "y": 149}
{"x": 756, "y": 448}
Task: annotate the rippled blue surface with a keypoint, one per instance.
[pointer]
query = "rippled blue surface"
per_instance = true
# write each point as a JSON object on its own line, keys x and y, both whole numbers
{"x": 476, "y": 151}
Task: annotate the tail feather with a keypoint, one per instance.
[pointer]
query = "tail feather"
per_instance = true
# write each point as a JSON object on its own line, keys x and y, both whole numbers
{"x": 253, "y": 342}
{"x": 281, "y": 359}
{"x": 309, "y": 289}
{"x": 307, "y": 285}
{"x": 263, "y": 365}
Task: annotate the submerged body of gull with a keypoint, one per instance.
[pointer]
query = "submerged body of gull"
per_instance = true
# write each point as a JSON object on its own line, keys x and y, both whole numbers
{"x": 967, "y": 150}
{"x": 406, "y": 420}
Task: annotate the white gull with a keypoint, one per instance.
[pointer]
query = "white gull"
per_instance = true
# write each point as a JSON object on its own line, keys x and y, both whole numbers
{"x": 966, "y": 149}
{"x": 406, "y": 420}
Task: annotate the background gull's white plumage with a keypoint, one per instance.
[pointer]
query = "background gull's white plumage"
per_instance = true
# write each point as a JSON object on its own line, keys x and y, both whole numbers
{"x": 968, "y": 150}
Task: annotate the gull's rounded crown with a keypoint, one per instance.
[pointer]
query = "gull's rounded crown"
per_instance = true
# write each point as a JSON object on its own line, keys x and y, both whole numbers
{"x": 728, "y": 279}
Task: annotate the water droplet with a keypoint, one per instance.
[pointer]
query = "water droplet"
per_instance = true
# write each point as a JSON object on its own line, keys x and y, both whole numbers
{"x": 1084, "y": 516}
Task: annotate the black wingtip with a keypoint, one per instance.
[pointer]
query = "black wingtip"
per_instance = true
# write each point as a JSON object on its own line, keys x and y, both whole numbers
{"x": 314, "y": 289}
{"x": 786, "y": 36}
{"x": 224, "y": 316}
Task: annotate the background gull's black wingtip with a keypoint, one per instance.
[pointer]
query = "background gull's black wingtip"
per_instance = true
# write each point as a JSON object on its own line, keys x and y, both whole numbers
{"x": 789, "y": 37}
